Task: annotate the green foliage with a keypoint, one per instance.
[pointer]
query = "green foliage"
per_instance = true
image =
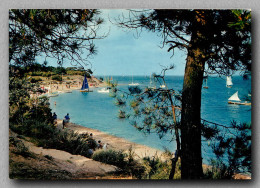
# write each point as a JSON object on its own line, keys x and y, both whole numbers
{"x": 35, "y": 80}
{"x": 57, "y": 77}
{"x": 60, "y": 70}
{"x": 36, "y": 74}
{"x": 53, "y": 33}
{"x": 71, "y": 142}
{"x": 232, "y": 147}
{"x": 112, "y": 157}
{"x": 217, "y": 170}
{"x": 46, "y": 74}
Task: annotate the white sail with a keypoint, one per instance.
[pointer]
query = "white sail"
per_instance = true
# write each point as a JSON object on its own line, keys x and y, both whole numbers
{"x": 234, "y": 97}
{"x": 229, "y": 81}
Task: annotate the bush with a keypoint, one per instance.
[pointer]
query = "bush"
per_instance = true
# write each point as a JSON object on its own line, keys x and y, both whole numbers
{"x": 71, "y": 142}
{"x": 35, "y": 80}
{"x": 112, "y": 157}
{"x": 57, "y": 77}
{"x": 36, "y": 74}
{"x": 46, "y": 74}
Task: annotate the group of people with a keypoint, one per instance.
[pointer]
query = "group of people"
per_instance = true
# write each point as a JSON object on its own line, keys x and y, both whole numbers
{"x": 64, "y": 121}
{"x": 99, "y": 145}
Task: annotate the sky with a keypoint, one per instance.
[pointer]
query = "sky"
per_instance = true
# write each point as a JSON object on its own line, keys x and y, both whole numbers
{"x": 123, "y": 53}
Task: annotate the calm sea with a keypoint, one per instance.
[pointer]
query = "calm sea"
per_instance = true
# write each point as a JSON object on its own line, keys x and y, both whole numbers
{"x": 98, "y": 110}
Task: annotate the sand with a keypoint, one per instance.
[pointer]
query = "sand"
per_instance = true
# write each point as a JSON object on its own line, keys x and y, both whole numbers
{"x": 116, "y": 143}
{"x": 78, "y": 164}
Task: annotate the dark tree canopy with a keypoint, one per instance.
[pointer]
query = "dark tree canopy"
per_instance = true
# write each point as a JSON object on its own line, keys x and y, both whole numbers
{"x": 60, "y": 34}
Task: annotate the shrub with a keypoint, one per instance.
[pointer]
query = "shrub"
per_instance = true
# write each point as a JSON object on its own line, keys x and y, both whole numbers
{"x": 46, "y": 74}
{"x": 71, "y": 142}
{"x": 57, "y": 77}
{"x": 36, "y": 74}
{"x": 35, "y": 80}
{"x": 112, "y": 157}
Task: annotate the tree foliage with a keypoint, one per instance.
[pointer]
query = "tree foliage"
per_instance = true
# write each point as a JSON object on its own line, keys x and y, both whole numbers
{"x": 63, "y": 34}
{"x": 216, "y": 41}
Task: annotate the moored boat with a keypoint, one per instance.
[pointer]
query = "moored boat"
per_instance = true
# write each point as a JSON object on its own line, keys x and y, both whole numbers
{"x": 234, "y": 99}
{"x": 85, "y": 87}
{"x": 229, "y": 82}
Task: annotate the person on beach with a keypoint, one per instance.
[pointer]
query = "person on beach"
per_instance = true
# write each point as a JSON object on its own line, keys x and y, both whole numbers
{"x": 91, "y": 135}
{"x": 54, "y": 116}
{"x": 100, "y": 145}
{"x": 90, "y": 151}
{"x": 105, "y": 146}
{"x": 67, "y": 117}
{"x": 55, "y": 103}
{"x": 63, "y": 124}
{"x": 65, "y": 120}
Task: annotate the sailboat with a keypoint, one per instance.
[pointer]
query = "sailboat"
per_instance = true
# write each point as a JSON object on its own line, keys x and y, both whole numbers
{"x": 85, "y": 87}
{"x": 151, "y": 86}
{"x": 206, "y": 86}
{"x": 229, "y": 82}
{"x": 234, "y": 99}
{"x": 133, "y": 84}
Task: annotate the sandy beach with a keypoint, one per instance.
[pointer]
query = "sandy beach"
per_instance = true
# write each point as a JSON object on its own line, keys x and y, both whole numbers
{"x": 74, "y": 83}
{"x": 114, "y": 142}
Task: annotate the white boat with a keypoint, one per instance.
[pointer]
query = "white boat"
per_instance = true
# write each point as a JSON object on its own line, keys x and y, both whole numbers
{"x": 162, "y": 86}
{"x": 234, "y": 99}
{"x": 151, "y": 86}
{"x": 52, "y": 94}
{"x": 229, "y": 82}
{"x": 133, "y": 84}
{"x": 103, "y": 90}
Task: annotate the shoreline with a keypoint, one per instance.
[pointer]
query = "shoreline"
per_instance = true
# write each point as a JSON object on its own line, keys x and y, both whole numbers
{"x": 115, "y": 142}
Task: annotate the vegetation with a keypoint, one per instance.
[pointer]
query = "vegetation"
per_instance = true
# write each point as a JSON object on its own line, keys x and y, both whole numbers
{"x": 116, "y": 158}
{"x": 62, "y": 34}
{"x": 216, "y": 41}
{"x": 145, "y": 168}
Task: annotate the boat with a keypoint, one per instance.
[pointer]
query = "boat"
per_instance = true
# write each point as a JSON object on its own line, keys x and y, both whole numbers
{"x": 133, "y": 84}
{"x": 206, "y": 86}
{"x": 234, "y": 99}
{"x": 52, "y": 94}
{"x": 229, "y": 82}
{"x": 85, "y": 87}
{"x": 103, "y": 90}
{"x": 162, "y": 86}
{"x": 151, "y": 86}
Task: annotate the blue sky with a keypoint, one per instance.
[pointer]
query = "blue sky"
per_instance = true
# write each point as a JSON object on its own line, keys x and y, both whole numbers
{"x": 122, "y": 53}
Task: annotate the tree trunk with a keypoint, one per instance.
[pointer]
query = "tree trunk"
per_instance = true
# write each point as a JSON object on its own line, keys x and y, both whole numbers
{"x": 191, "y": 160}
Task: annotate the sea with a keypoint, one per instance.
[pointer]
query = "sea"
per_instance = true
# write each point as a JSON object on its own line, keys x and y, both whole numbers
{"x": 98, "y": 110}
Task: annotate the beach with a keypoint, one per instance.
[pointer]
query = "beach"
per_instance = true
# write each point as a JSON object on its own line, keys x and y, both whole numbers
{"x": 114, "y": 142}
